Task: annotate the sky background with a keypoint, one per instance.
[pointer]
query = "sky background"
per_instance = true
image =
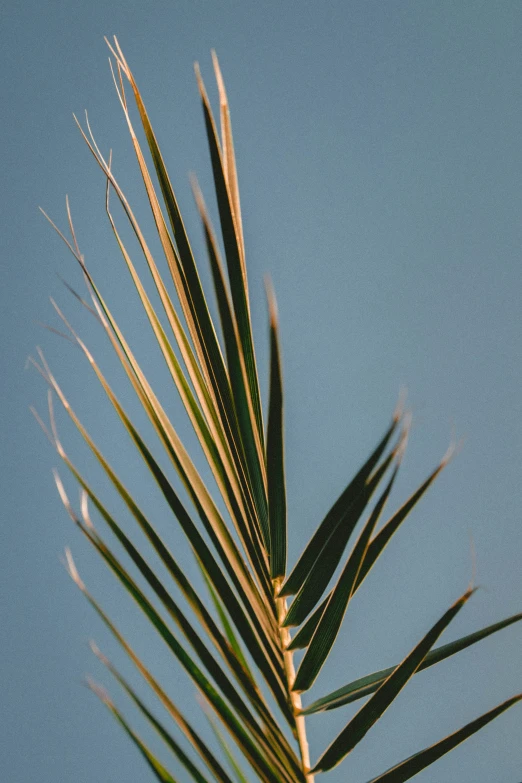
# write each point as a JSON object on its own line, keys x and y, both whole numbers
{"x": 380, "y": 162}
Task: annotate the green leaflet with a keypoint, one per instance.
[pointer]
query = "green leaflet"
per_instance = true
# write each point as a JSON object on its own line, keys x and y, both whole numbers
{"x": 234, "y": 726}
{"x": 278, "y": 738}
{"x": 324, "y": 567}
{"x": 376, "y": 546}
{"x": 275, "y": 453}
{"x": 370, "y": 713}
{"x": 229, "y": 160}
{"x": 305, "y": 633}
{"x": 414, "y": 764}
{"x": 159, "y": 770}
{"x": 267, "y": 663}
{"x": 364, "y": 686}
{"x": 199, "y": 746}
{"x": 223, "y": 618}
{"x": 334, "y": 518}
{"x": 383, "y": 536}
{"x": 225, "y": 182}
{"x": 238, "y": 773}
{"x": 333, "y": 614}
{"x": 251, "y": 419}
{"x": 166, "y": 736}
{"x": 235, "y": 359}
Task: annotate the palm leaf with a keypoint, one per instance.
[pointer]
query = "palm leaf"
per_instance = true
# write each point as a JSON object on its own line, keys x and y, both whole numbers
{"x": 235, "y": 647}
{"x": 265, "y": 657}
{"x": 333, "y": 614}
{"x": 382, "y": 538}
{"x": 167, "y": 737}
{"x": 188, "y": 286}
{"x": 251, "y": 418}
{"x": 274, "y": 453}
{"x": 368, "y": 715}
{"x": 233, "y": 349}
{"x": 335, "y": 518}
{"x": 192, "y": 736}
{"x": 238, "y": 772}
{"x": 364, "y": 686}
{"x": 160, "y": 772}
{"x": 225, "y": 623}
{"x": 331, "y": 553}
{"x": 241, "y": 735}
{"x": 411, "y": 766}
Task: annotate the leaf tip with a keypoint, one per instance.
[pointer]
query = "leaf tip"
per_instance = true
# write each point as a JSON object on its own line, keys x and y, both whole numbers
{"x": 399, "y": 408}
{"x": 72, "y": 570}
{"x": 272, "y": 302}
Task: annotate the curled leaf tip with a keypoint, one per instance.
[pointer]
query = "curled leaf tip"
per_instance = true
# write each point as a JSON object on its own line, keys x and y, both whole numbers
{"x": 94, "y": 647}
{"x": 405, "y": 434}
{"x": 63, "y": 494}
{"x": 219, "y": 79}
{"x": 72, "y": 570}
{"x": 450, "y": 453}
{"x": 399, "y": 408}
{"x": 100, "y": 692}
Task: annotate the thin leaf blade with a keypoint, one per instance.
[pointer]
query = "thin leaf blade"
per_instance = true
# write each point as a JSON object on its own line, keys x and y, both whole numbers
{"x": 384, "y": 535}
{"x": 161, "y": 773}
{"x": 275, "y": 452}
{"x": 332, "y": 519}
{"x": 330, "y": 555}
{"x": 332, "y": 617}
{"x": 416, "y": 763}
{"x": 167, "y": 737}
{"x": 368, "y": 715}
{"x": 364, "y": 686}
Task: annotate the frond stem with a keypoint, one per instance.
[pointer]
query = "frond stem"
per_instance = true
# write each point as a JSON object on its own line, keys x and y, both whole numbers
{"x": 295, "y": 698}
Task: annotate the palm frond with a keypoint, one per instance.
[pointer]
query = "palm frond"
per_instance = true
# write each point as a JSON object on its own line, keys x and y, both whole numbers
{"x": 233, "y": 645}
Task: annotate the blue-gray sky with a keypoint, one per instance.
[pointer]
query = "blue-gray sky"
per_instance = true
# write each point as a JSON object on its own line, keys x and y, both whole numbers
{"x": 380, "y": 165}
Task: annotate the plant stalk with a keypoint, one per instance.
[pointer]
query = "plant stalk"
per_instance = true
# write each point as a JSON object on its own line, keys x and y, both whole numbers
{"x": 295, "y": 698}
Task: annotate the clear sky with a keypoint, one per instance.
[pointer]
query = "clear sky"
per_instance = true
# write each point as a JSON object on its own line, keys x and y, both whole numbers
{"x": 380, "y": 165}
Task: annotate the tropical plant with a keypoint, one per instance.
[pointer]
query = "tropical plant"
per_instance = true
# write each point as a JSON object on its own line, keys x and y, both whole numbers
{"x": 236, "y": 647}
